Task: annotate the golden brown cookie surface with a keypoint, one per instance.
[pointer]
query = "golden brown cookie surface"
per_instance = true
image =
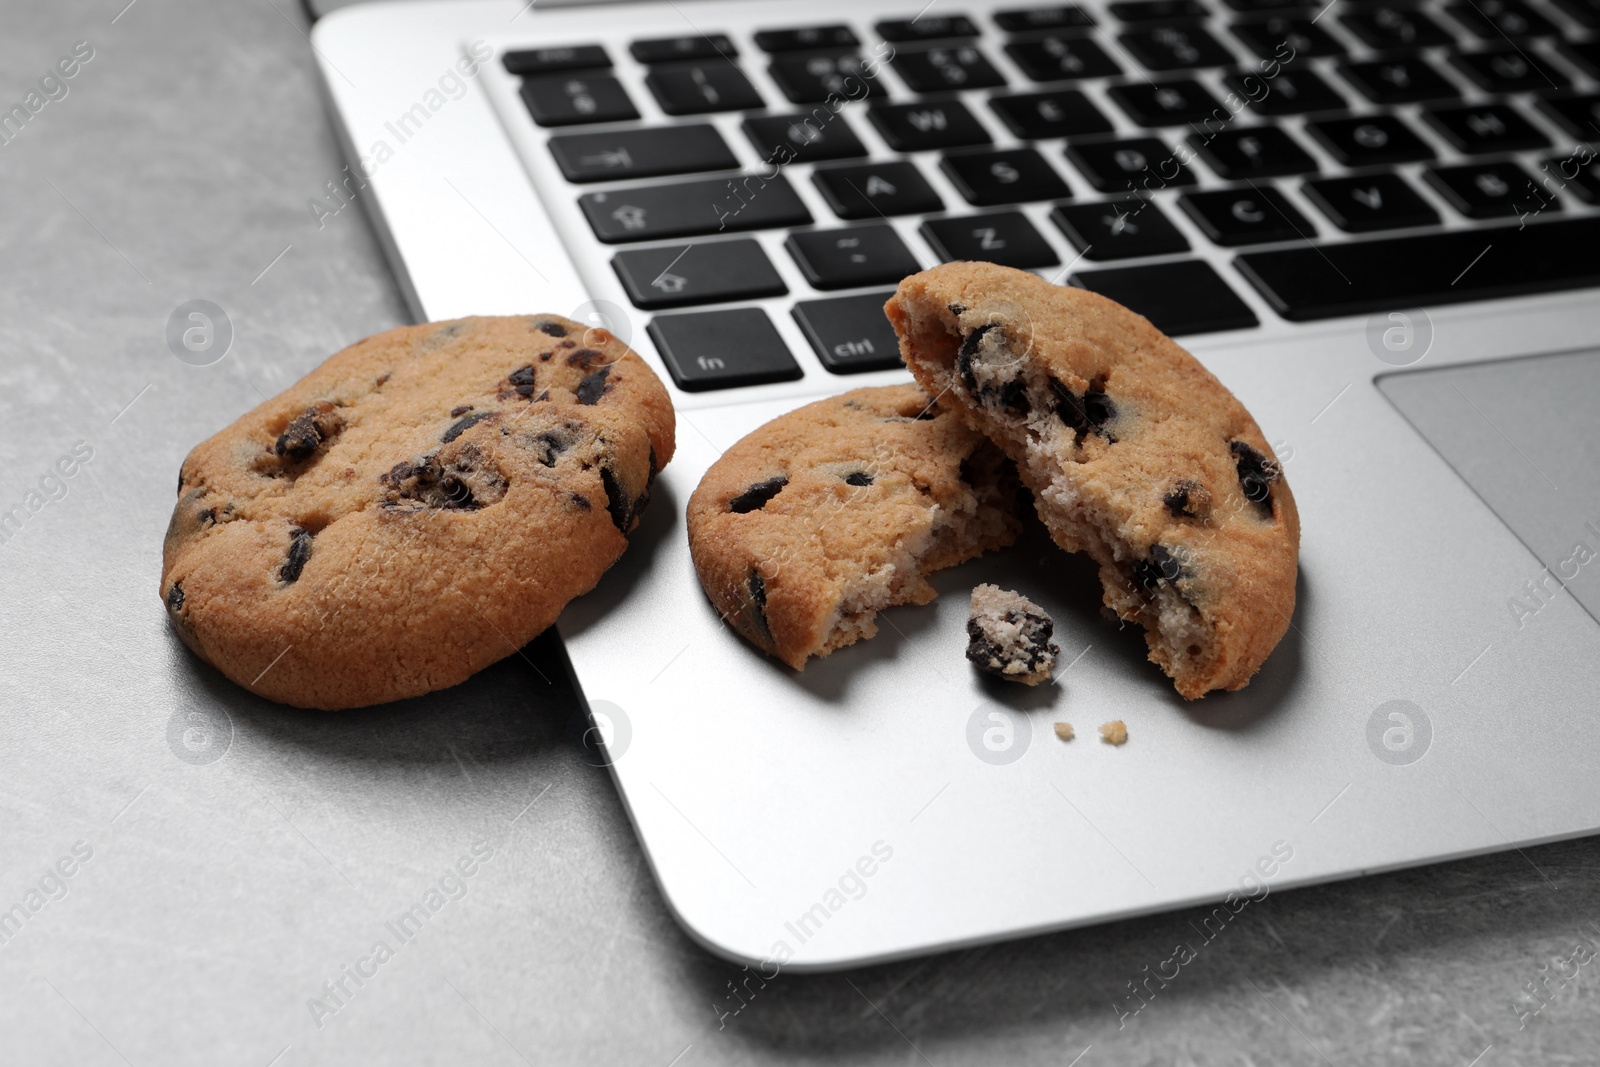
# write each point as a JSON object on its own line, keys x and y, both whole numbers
{"x": 1135, "y": 453}
{"x": 807, "y": 527}
{"x": 419, "y": 506}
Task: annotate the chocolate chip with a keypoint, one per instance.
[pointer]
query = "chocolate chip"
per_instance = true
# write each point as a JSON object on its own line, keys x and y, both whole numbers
{"x": 1088, "y": 413}
{"x": 521, "y": 376}
{"x": 462, "y": 410}
{"x": 579, "y": 501}
{"x": 587, "y": 358}
{"x": 307, "y": 431}
{"x": 554, "y": 329}
{"x": 569, "y": 343}
{"x": 858, "y": 478}
{"x": 968, "y": 352}
{"x": 544, "y": 357}
{"x": 1161, "y": 566}
{"x": 206, "y": 517}
{"x": 755, "y": 498}
{"x": 175, "y": 598}
{"x": 461, "y": 426}
{"x": 1187, "y": 499}
{"x": 299, "y": 551}
{"x": 617, "y": 502}
{"x": 447, "y": 485}
{"x": 957, "y": 309}
{"x": 592, "y": 388}
{"x": 551, "y": 443}
{"x": 1257, "y": 472}
{"x": 757, "y": 589}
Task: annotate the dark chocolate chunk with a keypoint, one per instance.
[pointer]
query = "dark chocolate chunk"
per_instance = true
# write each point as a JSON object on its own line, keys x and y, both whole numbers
{"x": 551, "y": 443}
{"x": 579, "y": 501}
{"x": 521, "y": 380}
{"x": 755, "y": 498}
{"x": 617, "y": 502}
{"x": 968, "y": 352}
{"x": 461, "y": 410}
{"x": 1187, "y": 499}
{"x": 444, "y": 485}
{"x": 858, "y": 478}
{"x": 554, "y": 329}
{"x": 1088, "y": 413}
{"x": 175, "y": 598}
{"x": 299, "y": 551}
{"x": 206, "y": 517}
{"x": 587, "y": 358}
{"x": 1161, "y": 566}
{"x": 1256, "y": 473}
{"x": 757, "y": 588}
{"x": 957, "y": 309}
{"x": 592, "y": 388}
{"x": 300, "y": 438}
{"x": 462, "y": 425}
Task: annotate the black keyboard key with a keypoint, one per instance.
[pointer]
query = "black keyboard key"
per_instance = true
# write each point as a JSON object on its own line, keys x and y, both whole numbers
{"x": 1373, "y": 202}
{"x": 924, "y": 126}
{"x": 850, "y": 333}
{"x": 575, "y": 99}
{"x": 698, "y": 88}
{"x": 693, "y": 209}
{"x": 721, "y": 349}
{"x": 847, "y": 259}
{"x": 1253, "y": 7}
{"x": 1135, "y": 164}
{"x": 1061, "y": 113}
{"x": 1296, "y": 92}
{"x": 806, "y": 38}
{"x": 1390, "y": 26}
{"x": 1286, "y": 37}
{"x": 1062, "y": 57}
{"x": 1177, "y": 102}
{"x": 647, "y": 153}
{"x": 1399, "y": 80}
{"x": 1024, "y": 19}
{"x": 1485, "y": 129}
{"x": 1254, "y": 216}
{"x": 1585, "y": 54}
{"x": 1237, "y": 153}
{"x": 1003, "y": 176}
{"x": 1488, "y": 190}
{"x": 807, "y": 138}
{"x": 707, "y": 273}
{"x": 1508, "y": 70}
{"x": 946, "y": 70}
{"x": 686, "y": 47}
{"x": 1179, "y": 298}
{"x": 1158, "y": 10}
{"x": 1004, "y": 237}
{"x": 1580, "y": 171}
{"x": 1577, "y": 115}
{"x": 1421, "y": 270}
{"x": 868, "y": 190}
{"x": 526, "y": 62}
{"x": 1370, "y": 140}
{"x": 1497, "y": 20}
{"x": 816, "y": 77}
{"x": 1176, "y": 47}
{"x": 926, "y": 28}
{"x": 1119, "y": 229}
{"x": 1586, "y": 12}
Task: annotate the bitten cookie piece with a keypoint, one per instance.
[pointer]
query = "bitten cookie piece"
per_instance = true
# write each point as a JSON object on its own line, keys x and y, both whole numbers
{"x": 419, "y": 506}
{"x": 1009, "y": 635}
{"x": 1135, "y": 454}
{"x": 806, "y": 528}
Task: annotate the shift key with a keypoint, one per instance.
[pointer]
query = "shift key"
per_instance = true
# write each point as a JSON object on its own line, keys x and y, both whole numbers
{"x": 647, "y": 153}
{"x": 693, "y": 209}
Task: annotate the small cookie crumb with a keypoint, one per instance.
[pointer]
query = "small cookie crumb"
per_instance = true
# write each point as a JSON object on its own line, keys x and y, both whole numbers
{"x": 1009, "y": 636}
{"x": 1064, "y": 731}
{"x": 1114, "y": 733}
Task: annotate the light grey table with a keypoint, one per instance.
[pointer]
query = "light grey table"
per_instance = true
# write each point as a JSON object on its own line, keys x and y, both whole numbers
{"x": 223, "y": 880}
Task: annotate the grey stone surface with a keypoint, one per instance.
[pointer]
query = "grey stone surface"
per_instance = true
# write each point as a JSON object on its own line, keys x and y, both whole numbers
{"x": 241, "y": 856}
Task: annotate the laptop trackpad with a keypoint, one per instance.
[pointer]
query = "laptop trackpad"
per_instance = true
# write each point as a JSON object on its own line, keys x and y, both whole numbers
{"x": 1525, "y": 435}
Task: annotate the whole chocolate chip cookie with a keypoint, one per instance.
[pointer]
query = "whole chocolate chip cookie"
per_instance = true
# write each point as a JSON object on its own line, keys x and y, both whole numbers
{"x": 1135, "y": 454}
{"x": 419, "y": 506}
{"x": 808, "y": 527}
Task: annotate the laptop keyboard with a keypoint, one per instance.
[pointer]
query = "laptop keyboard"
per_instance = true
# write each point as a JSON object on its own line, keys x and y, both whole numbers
{"x": 1392, "y": 123}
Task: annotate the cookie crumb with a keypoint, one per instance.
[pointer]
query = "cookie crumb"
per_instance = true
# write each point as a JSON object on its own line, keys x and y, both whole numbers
{"x": 1064, "y": 731}
{"x": 1009, "y": 636}
{"x": 1114, "y": 733}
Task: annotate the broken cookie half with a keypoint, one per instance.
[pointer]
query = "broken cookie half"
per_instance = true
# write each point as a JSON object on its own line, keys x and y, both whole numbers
{"x": 809, "y": 526}
{"x": 1135, "y": 453}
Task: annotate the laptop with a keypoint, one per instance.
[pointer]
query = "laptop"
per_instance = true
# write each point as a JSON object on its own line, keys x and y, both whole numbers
{"x": 1375, "y": 222}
